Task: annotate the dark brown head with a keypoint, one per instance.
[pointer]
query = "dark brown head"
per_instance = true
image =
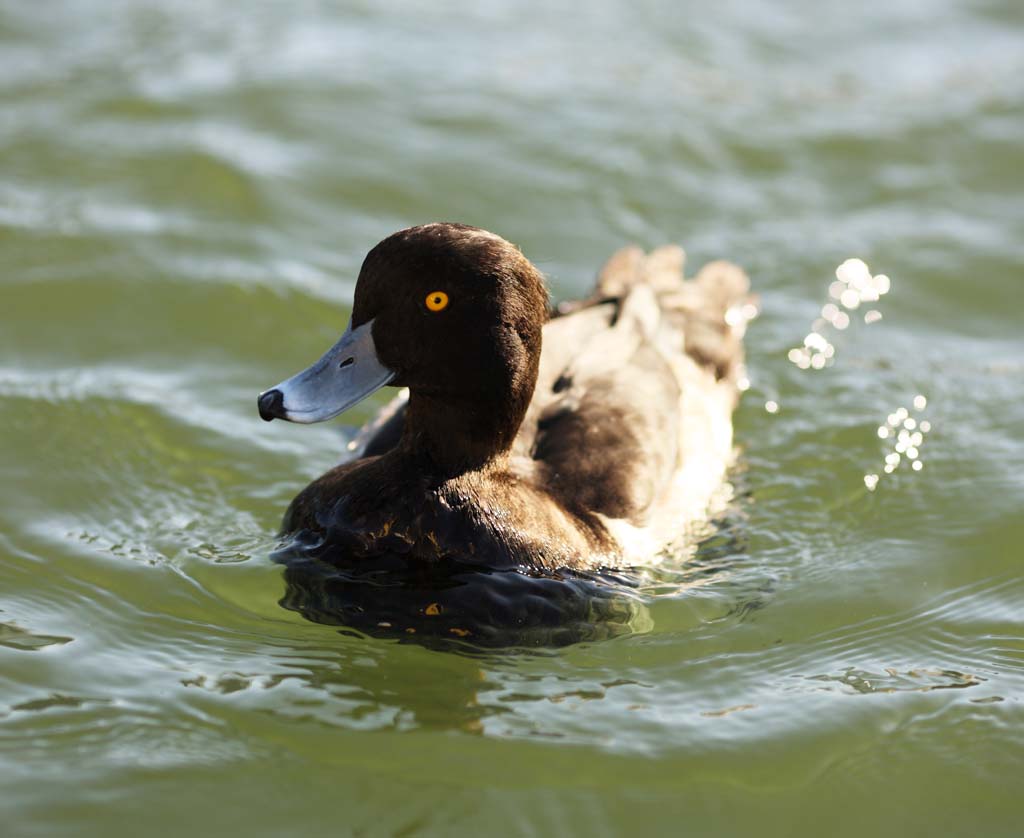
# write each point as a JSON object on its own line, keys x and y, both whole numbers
{"x": 452, "y": 312}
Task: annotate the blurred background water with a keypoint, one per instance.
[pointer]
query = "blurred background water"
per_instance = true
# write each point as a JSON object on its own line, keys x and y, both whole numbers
{"x": 186, "y": 193}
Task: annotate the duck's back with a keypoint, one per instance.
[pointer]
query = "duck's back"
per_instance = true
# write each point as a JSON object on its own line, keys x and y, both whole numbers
{"x": 632, "y": 415}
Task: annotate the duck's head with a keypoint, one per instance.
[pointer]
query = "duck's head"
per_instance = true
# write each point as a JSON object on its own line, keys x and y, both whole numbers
{"x": 452, "y": 312}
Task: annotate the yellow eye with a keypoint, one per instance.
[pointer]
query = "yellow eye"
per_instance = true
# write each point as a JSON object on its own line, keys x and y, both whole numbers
{"x": 437, "y": 300}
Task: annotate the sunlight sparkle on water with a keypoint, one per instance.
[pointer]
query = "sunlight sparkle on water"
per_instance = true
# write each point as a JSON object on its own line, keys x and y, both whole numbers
{"x": 906, "y": 434}
{"x": 852, "y": 286}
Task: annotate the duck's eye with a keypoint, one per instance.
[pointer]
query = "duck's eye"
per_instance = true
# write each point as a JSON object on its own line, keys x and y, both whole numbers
{"x": 437, "y": 300}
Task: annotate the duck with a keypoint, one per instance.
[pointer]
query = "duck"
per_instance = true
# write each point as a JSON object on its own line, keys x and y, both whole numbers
{"x": 523, "y": 437}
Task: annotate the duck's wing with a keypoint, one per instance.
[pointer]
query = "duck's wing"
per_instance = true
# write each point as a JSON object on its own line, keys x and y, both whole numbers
{"x": 631, "y": 420}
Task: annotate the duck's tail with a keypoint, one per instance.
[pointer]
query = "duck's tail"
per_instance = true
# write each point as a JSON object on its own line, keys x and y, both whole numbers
{"x": 710, "y": 311}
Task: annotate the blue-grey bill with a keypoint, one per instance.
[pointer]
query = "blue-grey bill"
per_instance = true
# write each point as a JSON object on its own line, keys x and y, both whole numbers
{"x": 347, "y": 373}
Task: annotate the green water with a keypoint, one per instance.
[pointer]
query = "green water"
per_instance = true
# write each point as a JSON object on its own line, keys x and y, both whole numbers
{"x": 186, "y": 192}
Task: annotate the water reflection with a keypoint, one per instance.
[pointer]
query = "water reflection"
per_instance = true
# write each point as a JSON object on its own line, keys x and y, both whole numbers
{"x": 450, "y": 604}
{"x": 365, "y": 686}
{"x": 892, "y": 680}
{"x": 15, "y": 637}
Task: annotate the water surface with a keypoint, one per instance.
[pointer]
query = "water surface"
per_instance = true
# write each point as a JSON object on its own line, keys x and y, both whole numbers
{"x": 186, "y": 193}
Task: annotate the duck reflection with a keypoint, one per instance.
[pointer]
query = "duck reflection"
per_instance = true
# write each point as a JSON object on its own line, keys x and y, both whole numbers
{"x": 454, "y": 605}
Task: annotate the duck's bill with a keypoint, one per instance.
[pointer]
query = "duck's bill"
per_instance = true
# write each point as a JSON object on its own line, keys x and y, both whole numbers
{"x": 348, "y": 373}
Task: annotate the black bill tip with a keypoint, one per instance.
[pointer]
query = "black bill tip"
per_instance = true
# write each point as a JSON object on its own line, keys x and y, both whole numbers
{"x": 271, "y": 405}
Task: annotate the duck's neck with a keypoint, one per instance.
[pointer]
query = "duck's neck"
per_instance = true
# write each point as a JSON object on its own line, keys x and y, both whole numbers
{"x": 447, "y": 437}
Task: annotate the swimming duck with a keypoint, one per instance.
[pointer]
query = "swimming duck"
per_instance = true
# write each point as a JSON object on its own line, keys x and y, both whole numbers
{"x": 588, "y": 437}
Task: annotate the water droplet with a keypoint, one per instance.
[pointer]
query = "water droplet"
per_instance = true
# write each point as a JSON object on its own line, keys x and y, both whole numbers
{"x": 815, "y": 341}
{"x": 909, "y": 437}
{"x": 853, "y": 271}
{"x": 852, "y": 287}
